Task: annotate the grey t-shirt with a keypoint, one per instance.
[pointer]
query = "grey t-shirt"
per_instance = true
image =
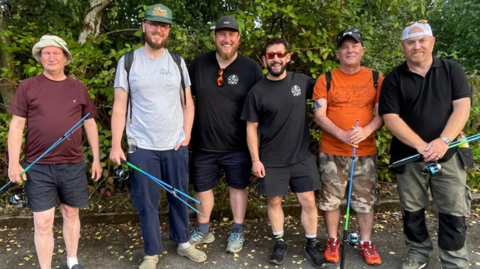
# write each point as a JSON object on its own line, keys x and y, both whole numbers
{"x": 157, "y": 116}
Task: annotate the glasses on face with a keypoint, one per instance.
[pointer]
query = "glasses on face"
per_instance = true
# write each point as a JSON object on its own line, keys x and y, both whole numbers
{"x": 220, "y": 77}
{"x": 349, "y": 32}
{"x": 161, "y": 25}
{"x": 420, "y": 21}
{"x": 280, "y": 54}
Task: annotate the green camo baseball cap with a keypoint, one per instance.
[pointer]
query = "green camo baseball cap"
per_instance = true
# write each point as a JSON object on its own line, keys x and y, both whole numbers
{"x": 158, "y": 13}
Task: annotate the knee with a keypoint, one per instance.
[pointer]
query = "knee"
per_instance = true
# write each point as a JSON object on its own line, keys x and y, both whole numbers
{"x": 43, "y": 224}
{"x": 69, "y": 213}
{"x": 275, "y": 202}
{"x": 308, "y": 203}
{"x": 452, "y": 232}
{"x": 414, "y": 225}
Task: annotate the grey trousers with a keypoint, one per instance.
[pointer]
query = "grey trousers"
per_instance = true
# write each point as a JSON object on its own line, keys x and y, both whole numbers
{"x": 452, "y": 200}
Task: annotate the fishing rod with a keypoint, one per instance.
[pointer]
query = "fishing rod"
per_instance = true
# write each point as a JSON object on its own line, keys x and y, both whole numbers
{"x": 175, "y": 192}
{"x": 346, "y": 235}
{"x": 418, "y": 156}
{"x": 60, "y": 140}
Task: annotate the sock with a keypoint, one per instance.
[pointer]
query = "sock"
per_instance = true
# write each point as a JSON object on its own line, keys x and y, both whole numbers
{"x": 237, "y": 226}
{"x": 278, "y": 236}
{"x": 361, "y": 242}
{"x": 311, "y": 239}
{"x": 184, "y": 245}
{"x": 204, "y": 227}
{"x": 71, "y": 261}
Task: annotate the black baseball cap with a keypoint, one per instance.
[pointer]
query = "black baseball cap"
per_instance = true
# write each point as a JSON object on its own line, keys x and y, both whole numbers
{"x": 227, "y": 22}
{"x": 352, "y": 33}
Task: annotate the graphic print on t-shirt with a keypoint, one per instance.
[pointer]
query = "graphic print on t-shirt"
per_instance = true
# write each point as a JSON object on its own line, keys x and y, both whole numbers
{"x": 233, "y": 79}
{"x": 353, "y": 96}
{"x": 296, "y": 90}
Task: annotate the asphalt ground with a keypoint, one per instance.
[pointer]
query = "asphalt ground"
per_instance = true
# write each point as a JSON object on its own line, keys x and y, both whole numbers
{"x": 120, "y": 245}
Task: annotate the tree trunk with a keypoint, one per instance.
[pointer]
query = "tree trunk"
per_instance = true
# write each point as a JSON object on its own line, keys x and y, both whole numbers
{"x": 7, "y": 87}
{"x": 93, "y": 19}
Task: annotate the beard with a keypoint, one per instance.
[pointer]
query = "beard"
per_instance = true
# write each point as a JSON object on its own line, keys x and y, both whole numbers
{"x": 156, "y": 46}
{"x": 227, "y": 55}
{"x": 276, "y": 73}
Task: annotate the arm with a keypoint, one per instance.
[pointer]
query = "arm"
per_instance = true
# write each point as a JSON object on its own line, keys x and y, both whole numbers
{"x": 364, "y": 132}
{"x": 188, "y": 115}
{"x": 15, "y": 134}
{"x": 327, "y": 125}
{"x": 118, "y": 124}
{"x": 253, "y": 146}
{"x": 92, "y": 136}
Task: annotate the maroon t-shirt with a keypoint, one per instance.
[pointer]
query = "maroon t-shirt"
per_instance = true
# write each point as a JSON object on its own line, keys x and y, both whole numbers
{"x": 51, "y": 109}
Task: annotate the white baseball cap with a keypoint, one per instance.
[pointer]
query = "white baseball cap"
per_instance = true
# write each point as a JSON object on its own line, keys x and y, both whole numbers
{"x": 426, "y": 30}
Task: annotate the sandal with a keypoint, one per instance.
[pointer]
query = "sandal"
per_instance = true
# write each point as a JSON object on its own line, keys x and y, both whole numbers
{"x": 193, "y": 254}
{"x": 149, "y": 262}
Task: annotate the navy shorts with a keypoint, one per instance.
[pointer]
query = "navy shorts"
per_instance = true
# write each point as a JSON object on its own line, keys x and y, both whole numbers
{"x": 300, "y": 177}
{"x": 207, "y": 165}
{"x": 46, "y": 181}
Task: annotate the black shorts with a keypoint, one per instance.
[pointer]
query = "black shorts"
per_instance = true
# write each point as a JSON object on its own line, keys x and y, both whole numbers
{"x": 207, "y": 165}
{"x": 300, "y": 177}
{"x": 45, "y": 181}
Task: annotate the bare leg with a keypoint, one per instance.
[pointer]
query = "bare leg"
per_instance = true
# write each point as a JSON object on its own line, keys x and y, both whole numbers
{"x": 332, "y": 218}
{"x": 71, "y": 229}
{"x": 365, "y": 221}
{"x": 207, "y": 199}
{"x": 44, "y": 236}
{"x": 275, "y": 213}
{"x": 238, "y": 203}
{"x": 309, "y": 212}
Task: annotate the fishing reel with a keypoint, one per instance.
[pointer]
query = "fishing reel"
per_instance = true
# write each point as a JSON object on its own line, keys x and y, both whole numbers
{"x": 431, "y": 168}
{"x": 352, "y": 238}
{"x": 18, "y": 199}
{"x": 122, "y": 174}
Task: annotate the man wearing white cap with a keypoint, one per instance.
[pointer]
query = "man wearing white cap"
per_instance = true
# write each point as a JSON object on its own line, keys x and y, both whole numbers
{"x": 52, "y": 103}
{"x": 425, "y": 103}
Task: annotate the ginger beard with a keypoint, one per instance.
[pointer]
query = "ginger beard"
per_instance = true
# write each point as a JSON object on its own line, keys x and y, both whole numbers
{"x": 226, "y": 55}
{"x": 149, "y": 39}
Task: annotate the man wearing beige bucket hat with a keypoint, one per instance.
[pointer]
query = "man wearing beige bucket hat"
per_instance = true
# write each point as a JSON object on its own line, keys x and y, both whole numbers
{"x": 52, "y": 103}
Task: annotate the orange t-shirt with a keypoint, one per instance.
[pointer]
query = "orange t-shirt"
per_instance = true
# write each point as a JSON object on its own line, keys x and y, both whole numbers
{"x": 351, "y": 97}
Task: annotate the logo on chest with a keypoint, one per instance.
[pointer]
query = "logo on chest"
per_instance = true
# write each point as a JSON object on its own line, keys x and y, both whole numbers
{"x": 165, "y": 72}
{"x": 296, "y": 90}
{"x": 232, "y": 80}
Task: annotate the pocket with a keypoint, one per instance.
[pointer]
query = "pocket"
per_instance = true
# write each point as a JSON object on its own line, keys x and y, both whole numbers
{"x": 466, "y": 156}
{"x": 468, "y": 201}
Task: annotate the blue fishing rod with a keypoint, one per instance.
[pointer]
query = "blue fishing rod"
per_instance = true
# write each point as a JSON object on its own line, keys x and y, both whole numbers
{"x": 175, "y": 192}
{"x": 60, "y": 140}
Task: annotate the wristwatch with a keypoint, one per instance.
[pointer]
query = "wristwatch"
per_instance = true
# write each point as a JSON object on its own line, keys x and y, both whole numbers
{"x": 446, "y": 140}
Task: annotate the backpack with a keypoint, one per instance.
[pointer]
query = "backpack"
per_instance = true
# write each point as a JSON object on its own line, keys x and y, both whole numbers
{"x": 328, "y": 78}
{"x": 128, "y": 62}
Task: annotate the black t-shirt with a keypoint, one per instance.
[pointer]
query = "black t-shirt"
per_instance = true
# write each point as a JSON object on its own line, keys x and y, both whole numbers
{"x": 217, "y": 126}
{"x": 279, "y": 107}
{"x": 425, "y": 104}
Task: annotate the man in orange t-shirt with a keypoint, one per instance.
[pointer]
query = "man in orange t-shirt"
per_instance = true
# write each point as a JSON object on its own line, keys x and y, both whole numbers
{"x": 351, "y": 96}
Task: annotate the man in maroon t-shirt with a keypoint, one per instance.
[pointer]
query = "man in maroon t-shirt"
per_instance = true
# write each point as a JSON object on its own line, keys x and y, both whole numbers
{"x": 52, "y": 103}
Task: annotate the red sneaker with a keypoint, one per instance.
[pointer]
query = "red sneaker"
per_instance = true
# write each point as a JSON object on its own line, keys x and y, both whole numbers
{"x": 332, "y": 250}
{"x": 370, "y": 254}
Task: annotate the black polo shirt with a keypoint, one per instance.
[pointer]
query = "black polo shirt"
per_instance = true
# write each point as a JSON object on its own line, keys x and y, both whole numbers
{"x": 424, "y": 103}
{"x": 217, "y": 126}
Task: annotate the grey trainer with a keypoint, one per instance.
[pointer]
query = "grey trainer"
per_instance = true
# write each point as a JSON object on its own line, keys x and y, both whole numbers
{"x": 413, "y": 264}
{"x": 197, "y": 237}
{"x": 235, "y": 241}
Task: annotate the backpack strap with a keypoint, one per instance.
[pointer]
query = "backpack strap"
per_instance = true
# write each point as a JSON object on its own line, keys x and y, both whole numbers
{"x": 178, "y": 60}
{"x": 128, "y": 62}
{"x": 375, "y": 78}
{"x": 328, "y": 78}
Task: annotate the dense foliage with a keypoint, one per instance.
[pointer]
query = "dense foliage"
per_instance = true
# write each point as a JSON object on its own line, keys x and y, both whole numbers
{"x": 309, "y": 26}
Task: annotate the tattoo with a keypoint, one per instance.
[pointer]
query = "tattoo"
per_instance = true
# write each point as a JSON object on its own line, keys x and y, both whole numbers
{"x": 316, "y": 105}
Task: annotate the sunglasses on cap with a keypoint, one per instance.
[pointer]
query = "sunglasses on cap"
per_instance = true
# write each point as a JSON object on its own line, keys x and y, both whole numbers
{"x": 280, "y": 54}
{"x": 412, "y": 22}
{"x": 220, "y": 77}
{"x": 349, "y": 32}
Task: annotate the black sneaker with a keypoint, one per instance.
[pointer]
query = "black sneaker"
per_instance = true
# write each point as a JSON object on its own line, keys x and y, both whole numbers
{"x": 278, "y": 253}
{"x": 314, "y": 257}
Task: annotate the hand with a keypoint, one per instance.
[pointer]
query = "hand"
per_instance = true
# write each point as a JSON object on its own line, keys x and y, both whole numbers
{"x": 184, "y": 143}
{"x": 258, "y": 169}
{"x": 435, "y": 150}
{"x": 96, "y": 170}
{"x": 344, "y": 137}
{"x": 14, "y": 171}
{"x": 357, "y": 135}
{"x": 116, "y": 154}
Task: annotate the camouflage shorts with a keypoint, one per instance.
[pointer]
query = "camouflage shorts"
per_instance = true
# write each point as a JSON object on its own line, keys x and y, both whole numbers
{"x": 335, "y": 174}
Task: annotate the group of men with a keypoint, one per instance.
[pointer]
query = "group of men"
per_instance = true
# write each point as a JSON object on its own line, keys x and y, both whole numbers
{"x": 246, "y": 123}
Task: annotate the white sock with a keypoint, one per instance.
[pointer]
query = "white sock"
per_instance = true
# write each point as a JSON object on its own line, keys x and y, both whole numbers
{"x": 361, "y": 242}
{"x": 71, "y": 261}
{"x": 184, "y": 245}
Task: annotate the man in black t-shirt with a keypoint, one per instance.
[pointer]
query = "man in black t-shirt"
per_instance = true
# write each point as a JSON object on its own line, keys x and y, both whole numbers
{"x": 425, "y": 103}
{"x": 278, "y": 139}
{"x": 221, "y": 80}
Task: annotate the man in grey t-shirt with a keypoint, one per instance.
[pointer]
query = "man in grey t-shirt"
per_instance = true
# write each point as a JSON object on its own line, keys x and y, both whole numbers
{"x": 158, "y": 131}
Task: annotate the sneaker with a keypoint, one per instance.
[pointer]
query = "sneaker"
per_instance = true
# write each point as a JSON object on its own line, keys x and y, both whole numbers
{"x": 235, "y": 241}
{"x": 149, "y": 262}
{"x": 332, "y": 250}
{"x": 193, "y": 254}
{"x": 413, "y": 264}
{"x": 314, "y": 257}
{"x": 197, "y": 237}
{"x": 370, "y": 254}
{"x": 279, "y": 252}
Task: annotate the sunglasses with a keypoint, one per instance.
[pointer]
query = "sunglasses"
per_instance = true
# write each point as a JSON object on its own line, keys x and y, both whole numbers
{"x": 420, "y": 21}
{"x": 349, "y": 32}
{"x": 280, "y": 54}
{"x": 220, "y": 77}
